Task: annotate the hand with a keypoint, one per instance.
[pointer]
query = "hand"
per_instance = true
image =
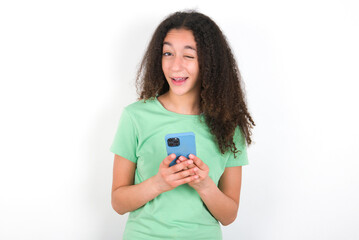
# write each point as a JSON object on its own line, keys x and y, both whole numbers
{"x": 200, "y": 169}
{"x": 169, "y": 178}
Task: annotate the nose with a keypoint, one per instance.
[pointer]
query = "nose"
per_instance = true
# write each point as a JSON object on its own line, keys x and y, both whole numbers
{"x": 177, "y": 64}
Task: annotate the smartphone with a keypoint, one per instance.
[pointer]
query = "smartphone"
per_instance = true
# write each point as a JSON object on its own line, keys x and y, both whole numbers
{"x": 181, "y": 144}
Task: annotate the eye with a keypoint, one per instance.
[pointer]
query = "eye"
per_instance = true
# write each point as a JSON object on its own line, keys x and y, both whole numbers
{"x": 166, "y": 54}
{"x": 189, "y": 57}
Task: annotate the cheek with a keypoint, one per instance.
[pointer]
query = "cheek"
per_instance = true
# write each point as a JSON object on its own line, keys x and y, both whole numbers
{"x": 194, "y": 69}
{"x": 164, "y": 67}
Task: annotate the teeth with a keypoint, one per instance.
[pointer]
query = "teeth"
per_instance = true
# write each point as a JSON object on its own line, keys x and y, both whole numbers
{"x": 178, "y": 79}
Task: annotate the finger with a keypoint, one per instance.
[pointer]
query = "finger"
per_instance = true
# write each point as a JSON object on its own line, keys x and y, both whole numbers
{"x": 200, "y": 164}
{"x": 166, "y": 162}
{"x": 192, "y": 165}
{"x": 180, "y": 166}
{"x": 180, "y": 159}
{"x": 183, "y": 174}
{"x": 186, "y": 180}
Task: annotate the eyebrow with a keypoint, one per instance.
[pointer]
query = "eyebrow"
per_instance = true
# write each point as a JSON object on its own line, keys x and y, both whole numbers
{"x": 186, "y": 47}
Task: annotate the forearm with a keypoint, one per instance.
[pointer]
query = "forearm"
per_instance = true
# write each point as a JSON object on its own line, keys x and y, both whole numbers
{"x": 129, "y": 198}
{"x": 222, "y": 207}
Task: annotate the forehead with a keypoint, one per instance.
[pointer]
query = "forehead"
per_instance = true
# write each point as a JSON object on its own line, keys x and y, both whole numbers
{"x": 180, "y": 37}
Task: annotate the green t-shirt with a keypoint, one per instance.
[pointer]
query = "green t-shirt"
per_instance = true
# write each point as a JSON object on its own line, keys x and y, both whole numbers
{"x": 179, "y": 213}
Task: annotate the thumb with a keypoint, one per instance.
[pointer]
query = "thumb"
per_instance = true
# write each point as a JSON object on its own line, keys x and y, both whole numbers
{"x": 166, "y": 162}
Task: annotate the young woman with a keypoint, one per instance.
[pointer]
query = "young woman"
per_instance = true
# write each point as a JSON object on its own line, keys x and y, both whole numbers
{"x": 189, "y": 82}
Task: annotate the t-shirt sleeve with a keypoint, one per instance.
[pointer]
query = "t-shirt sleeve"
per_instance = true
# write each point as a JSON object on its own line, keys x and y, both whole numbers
{"x": 241, "y": 156}
{"x": 125, "y": 141}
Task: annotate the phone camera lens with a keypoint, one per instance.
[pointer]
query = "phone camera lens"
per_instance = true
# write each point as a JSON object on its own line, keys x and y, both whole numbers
{"x": 173, "y": 142}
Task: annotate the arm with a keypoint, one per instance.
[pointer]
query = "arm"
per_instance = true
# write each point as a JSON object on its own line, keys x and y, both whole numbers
{"x": 127, "y": 197}
{"x": 223, "y": 201}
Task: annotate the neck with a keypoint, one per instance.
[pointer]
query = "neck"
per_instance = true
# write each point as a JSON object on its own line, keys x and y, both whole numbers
{"x": 186, "y": 104}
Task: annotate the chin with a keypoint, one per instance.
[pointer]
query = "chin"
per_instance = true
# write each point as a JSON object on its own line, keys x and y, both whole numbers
{"x": 182, "y": 90}
{"x": 179, "y": 93}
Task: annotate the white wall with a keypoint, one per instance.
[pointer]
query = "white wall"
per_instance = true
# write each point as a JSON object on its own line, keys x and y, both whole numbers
{"x": 67, "y": 69}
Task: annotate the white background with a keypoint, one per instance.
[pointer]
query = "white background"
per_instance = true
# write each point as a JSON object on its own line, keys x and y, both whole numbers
{"x": 67, "y": 69}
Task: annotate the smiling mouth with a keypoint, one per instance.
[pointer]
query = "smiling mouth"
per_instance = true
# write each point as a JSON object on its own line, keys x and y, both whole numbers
{"x": 179, "y": 79}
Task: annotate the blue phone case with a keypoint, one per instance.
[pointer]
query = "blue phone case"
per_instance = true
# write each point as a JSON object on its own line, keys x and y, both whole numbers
{"x": 187, "y": 145}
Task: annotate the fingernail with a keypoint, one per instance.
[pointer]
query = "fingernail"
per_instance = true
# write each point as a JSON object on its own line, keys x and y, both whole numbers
{"x": 181, "y": 158}
{"x": 195, "y": 176}
{"x": 189, "y": 162}
{"x": 191, "y": 155}
{"x": 195, "y": 169}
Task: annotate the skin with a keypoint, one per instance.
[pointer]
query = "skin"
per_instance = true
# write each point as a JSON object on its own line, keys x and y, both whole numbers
{"x": 179, "y": 60}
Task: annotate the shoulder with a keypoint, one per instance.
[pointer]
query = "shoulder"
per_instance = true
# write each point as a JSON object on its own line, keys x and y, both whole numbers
{"x": 140, "y": 106}
{"x": 142, "y": 109}
{"x": 239, "y": 135}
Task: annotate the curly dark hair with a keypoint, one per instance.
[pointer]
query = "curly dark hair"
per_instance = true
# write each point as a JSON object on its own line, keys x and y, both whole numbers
{"x": 222, "y": 98}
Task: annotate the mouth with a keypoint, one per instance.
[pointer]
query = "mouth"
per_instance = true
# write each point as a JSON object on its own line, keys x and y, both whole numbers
{"x": 179, "y": 80}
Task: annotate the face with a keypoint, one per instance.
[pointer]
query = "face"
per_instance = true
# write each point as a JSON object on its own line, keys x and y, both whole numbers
{"x": 180, "y": 62}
